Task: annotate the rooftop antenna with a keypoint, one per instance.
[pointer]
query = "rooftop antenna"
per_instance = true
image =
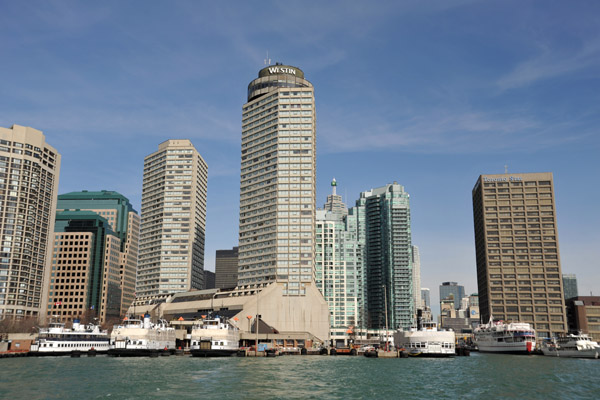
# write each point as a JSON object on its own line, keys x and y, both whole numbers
{"x": 505, "y": 169}
{"x": 267, "y": 60}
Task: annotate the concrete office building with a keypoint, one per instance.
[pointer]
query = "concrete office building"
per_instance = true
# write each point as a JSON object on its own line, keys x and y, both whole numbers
{"x": 29, "y": 172}
{"x": 123, "y": 220}
{"x": 570, "y": 286}
{"x": 452, "y": 291}
{"x": 226, "y": 268}
{"x": 86, "y": 268}
{"x": 339, "y": 269}
{"x": 388, "y": 257}
{"x": 171, "y": 255}
{"x": 517, "y": 252}
{"x": 583, "y": 314}
{"x": 416, "y": 262}
{"x": 277, "y": 188}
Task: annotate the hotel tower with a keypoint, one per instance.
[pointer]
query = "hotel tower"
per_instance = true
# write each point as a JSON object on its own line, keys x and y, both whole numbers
{"x": 516, "y": 247}
{"x": 171, "y": 253}
{"x": 29, "y": 170}
{"x": 277, "y": 189}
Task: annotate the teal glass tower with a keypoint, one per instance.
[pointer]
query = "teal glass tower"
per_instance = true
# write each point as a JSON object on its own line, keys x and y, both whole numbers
{"x": 123, "y": 221}
{"x": 388, "y": 259}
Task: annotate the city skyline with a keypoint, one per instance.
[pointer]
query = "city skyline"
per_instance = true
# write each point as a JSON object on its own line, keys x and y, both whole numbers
{"x": 452, "y": 90}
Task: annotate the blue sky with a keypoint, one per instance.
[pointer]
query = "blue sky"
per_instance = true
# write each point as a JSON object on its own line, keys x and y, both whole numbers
{"x": 428, "y": 94}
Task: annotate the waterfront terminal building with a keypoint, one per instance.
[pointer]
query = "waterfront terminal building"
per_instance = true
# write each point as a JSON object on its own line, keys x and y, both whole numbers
{"x": 283, "y": 320}
{"x": 517, "y": 252}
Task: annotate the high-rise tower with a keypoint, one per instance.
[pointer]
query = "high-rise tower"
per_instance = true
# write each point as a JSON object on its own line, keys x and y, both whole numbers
{"x": 383, "y": 214}
{"x": 171, "y": 255}
{"x": 277, "y": 188}
{"x": 123, "y": 220}
{"x": 452, "y": 291}
{"x": 29, "y": 169}
{"x": 416, "y": 262}
{"x": 516, "y": 248}
{"x": 339, "y": 267}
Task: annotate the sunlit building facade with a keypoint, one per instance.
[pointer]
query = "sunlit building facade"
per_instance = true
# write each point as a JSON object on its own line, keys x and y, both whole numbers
{"x": 171, "y": 254}
{"x": 517, "y": 252}
{"x": 29, "y": 172}
{"x": 277, "y": 188}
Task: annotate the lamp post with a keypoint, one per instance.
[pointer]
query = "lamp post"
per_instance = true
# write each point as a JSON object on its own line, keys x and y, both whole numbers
{"x": 257, "y": 316}
{"x": 386, "y": 316}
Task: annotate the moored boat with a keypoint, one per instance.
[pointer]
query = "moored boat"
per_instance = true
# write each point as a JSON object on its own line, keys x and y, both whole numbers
{"x": 426, "y": 340}
{"x": 500, "y": 337}
{"x": 134, "y": 337}
{"x": 215, "y": 337}
{"x": 578, "y": 345}
{"x": 56, "y": 340}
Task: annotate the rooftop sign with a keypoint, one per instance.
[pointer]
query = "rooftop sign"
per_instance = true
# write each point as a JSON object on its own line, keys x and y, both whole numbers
{"x": 281, "y": 69}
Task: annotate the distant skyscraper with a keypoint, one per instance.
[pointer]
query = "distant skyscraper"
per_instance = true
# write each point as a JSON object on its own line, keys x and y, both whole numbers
{"x": 570, "y": 286}
{"x": 388, "y": 256}
{"x": 334, "y": 201}
{"x": 338, "y": 267}
{"x": 29, "y": 170}
{"x": 86, "y": 266}
{"x": 416, "y": 262}
{"x": 123, "y": 220}
{"x": 453, "y": 291}
{"x": 209, "y": 279}
{"x": 425, "y": 297}
{"x": 277, "y": 189}
{"x": 173, "y": 220}
{"x": 517, "y": 253}
{"x": 226, "y": 268}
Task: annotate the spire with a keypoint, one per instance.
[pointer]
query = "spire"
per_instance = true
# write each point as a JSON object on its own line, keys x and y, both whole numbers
{"x": 333, "y": 187}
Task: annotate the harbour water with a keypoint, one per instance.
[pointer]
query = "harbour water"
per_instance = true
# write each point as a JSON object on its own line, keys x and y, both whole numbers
{"x": 299, "y": 377}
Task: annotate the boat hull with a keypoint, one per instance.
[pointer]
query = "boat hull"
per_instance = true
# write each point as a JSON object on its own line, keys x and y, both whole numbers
{"x": 571, "y": 353}
{"x": 63, "y": 353}
{"x": 213, "y": 352}
{"x": 431, "y": 355}
{"x": 138, "y": 352}
{"x": 507, "y": 349}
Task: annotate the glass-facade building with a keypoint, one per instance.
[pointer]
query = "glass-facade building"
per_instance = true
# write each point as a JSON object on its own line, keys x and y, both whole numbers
{"x": 339, "y": 267}
{"x": 86, "y": 273}
{"x": 123, "y": 220}
{"x": 426, "y": 297}
{"x": 388, "y": 257}
{"x": 570, "y": 286}
{"x": 452, "y": 291}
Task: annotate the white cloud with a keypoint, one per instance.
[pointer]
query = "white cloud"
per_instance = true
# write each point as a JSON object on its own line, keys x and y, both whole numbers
{"x": 550, "y": 63}
{"x": 445, "y": 132}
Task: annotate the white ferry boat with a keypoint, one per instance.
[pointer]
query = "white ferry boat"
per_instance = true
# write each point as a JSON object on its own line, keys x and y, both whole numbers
{"x": 57, "y": 340}
{"x": 214, "y": 338}
{"x": 573, "y": 345}
{"x": 136, "y": 337}
{"x": 500, "y": 337}
{"x": 426, "y": 341}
